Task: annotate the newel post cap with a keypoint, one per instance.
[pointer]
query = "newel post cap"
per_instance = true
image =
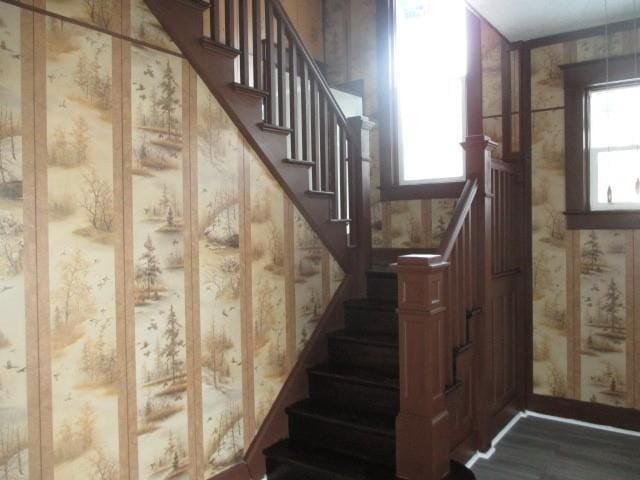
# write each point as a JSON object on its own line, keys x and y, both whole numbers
{"x": 428, "y": 261}
{"x": 479, "y": 141}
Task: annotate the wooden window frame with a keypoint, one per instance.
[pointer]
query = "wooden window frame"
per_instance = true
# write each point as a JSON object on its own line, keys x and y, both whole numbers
{"x": 579, "y": 79}
{"x": 390, "y": 187}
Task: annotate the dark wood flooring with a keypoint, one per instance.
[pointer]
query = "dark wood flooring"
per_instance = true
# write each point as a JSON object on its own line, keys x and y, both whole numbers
{"x": 541, "y": 449}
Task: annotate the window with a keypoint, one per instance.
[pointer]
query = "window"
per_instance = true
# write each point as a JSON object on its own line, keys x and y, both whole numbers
{"x": 602, "y": 164}
{"x": 430, "y": 68}
{"x": 614, "y": 148}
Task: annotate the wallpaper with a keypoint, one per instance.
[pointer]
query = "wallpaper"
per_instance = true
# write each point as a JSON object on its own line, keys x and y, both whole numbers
{"x": 157, "y": 284}
{"x": 586, "y": 332}
{"x": 350, "y": 54}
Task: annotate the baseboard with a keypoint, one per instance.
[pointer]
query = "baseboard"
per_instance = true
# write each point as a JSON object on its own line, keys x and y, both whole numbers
{"x": 275, "y": 427}
{"x": 619, "y": 417}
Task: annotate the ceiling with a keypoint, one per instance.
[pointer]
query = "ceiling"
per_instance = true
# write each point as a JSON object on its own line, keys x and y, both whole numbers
{"x": 527, "y": 19}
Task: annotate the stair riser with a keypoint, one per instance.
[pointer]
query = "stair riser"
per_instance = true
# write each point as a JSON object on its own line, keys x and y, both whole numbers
{"x": 382, "y": 287}
{"x": 346, "y": 394}
{"x": 280, "y": 469}
{"x": 377, "y": 358}
{"x": 371, "y": 321}
{"x": 345, "y": 439}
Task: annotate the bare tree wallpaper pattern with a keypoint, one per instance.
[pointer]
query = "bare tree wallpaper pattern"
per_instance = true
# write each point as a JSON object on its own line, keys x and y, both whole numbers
{"x": 586, "y": 333}
{"x": 173, "y": 285}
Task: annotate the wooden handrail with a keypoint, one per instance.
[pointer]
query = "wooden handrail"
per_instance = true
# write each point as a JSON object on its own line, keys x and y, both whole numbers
{"x": 463, "y": 206}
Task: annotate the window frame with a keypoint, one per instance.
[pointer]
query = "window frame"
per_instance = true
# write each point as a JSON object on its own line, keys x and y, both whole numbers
{"x": 391, "y": 186}
{"x": 579, "y": 80}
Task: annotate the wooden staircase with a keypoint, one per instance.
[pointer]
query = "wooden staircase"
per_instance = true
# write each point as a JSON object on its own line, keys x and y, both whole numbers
{"x": 260, "y": 71}
{"x": 345, "y": 430}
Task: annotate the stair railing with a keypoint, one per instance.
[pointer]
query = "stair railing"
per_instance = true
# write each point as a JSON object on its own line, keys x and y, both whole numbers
{"x": 438, "y": 295}
{"x": 275, "y": 63}
{"x": 252, "y": 59}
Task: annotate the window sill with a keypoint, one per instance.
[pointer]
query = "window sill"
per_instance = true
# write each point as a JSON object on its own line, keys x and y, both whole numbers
{"x": 422, "y": 191}
{"x": 603, "y": 220}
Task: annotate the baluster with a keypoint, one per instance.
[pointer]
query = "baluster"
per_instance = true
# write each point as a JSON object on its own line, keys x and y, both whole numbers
{"x": 314, "y": 130}
{"x": 293, "y": 98}
{"x": 230, "y": 23}
{"x": 270, "y": 76}
{"x": 304, "y": 101}
{"x": 282, "y": 71}
{"x": 243, "y": 24}
{"x": 344, "y": 186}
{"x": 332, "y": 169}
{"x": 323, "y": 143}
{"x": 257, "y": 45}
{"x": 214, "y": 20}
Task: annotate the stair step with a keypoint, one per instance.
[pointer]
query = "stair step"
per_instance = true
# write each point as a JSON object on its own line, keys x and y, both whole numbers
{"x": 197, "y": 4}
{"x": 302, "y": 163}
{"x": 249, "y": 90}
{"x": 377, "y": 352}
{"x": 382, "y": 284}
{"x": 218, "y": 47}
{"x": 269, "y": 127}
{"x": 287, "y": 461}
{"x": 344, "y": 387}
{"x": 371, "y": 316}
{"x": 340, "y": 220}
{"x": 320, "y": 193}
{"x": 367, "y": 436}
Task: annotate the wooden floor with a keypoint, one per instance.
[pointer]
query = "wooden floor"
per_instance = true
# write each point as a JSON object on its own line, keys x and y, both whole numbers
{"x": 540, "y": 449}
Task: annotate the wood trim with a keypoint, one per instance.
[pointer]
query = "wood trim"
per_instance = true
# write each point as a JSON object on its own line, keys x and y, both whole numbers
{"x": 422, "y": 191}
{"x": 603, "y": 220}
{"x": 619, "y": 417}
{"x": 387, "y": 256}
{"x": 274, "y": 426}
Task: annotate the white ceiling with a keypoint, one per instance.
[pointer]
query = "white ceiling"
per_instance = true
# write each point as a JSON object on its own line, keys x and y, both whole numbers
{"x": 527, "y": 19}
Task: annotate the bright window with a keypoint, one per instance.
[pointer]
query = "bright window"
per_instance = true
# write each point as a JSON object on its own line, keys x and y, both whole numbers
{"x": 614, "y": 148}
{"x": 430, "y": 67}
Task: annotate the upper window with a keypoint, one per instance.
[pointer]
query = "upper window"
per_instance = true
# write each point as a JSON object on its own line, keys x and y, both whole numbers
{"x": 614, "y": 147}
{"x": 430, "y": 77}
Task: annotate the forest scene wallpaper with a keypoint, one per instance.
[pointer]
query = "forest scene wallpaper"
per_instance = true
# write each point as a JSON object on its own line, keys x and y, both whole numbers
{"x": 585, "y": 329}
{"x": 175, "y": 282}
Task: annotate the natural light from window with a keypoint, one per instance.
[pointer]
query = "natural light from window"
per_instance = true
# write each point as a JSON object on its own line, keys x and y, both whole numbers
{"x": 614, "y": 150}
{"x": 430, "y": 70}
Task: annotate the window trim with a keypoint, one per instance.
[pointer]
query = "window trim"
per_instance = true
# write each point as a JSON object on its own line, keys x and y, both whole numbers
{"x": 579, "y": 79}
{"x": 391, "y": 188}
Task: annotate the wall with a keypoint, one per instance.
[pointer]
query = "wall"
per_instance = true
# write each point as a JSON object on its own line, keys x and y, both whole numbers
{"x": 156, "y": 283}
{"x": 586, "y": 342}
{"x": 351, "y": 54}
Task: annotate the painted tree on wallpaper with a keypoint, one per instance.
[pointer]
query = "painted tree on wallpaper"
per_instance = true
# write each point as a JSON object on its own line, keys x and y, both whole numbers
{"x": 13, "y": 375}
{"x": 220, "y": 158}
{"x": 603, "y": 315}
{"x": 81, "y": 253}
{"x": 158, "y": 244}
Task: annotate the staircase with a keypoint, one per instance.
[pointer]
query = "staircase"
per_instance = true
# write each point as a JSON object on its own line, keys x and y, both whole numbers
{"x": 259, "y": 70}
{"x": 345, "y": 430}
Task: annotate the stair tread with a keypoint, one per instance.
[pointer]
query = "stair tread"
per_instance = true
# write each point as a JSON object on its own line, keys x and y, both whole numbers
{"x": 357, "y": 375}
{"x": 370, "y": 304}
{"x": 366, "y": 338}
{"x": 340, "y": 466}
{"x": 382, "y": 271}
{"x": 373, "y": 422}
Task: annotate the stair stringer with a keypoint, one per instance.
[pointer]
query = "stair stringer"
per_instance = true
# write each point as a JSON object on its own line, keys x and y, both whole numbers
{"x": 184, "y": 22}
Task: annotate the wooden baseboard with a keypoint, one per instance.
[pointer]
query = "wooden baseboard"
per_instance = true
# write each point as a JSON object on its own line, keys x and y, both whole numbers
{"x": 627, "y": 418}
{"x": 275, "y": 427}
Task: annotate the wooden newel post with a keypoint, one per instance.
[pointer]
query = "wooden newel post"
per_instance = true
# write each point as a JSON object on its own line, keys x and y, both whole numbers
{"x": 423, "y": 427}
{"x": 360, "y": 197}
{"x": 478, "y": 150}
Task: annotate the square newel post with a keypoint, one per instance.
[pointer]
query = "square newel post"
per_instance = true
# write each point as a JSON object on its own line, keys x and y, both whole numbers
{"x": 423, "y": 427}
{"x": 479, "y": 149}
{"x": 360, "y": 197}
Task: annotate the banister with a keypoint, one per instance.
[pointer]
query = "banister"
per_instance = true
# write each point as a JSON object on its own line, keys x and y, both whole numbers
{"x": 308, "y": 58}
{"x": 463, "y": 206}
